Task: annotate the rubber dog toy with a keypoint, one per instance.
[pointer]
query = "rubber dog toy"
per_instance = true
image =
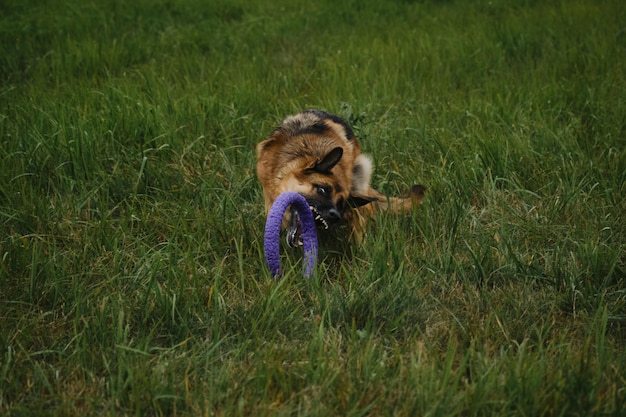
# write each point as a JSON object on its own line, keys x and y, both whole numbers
{"x": 271, "y": 242}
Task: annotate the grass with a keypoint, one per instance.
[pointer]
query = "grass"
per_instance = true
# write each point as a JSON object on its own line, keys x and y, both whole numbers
{"x": 131, "y": 271}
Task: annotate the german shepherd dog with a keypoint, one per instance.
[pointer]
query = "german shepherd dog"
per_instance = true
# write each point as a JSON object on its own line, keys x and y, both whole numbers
{"x": 317, "y": 155}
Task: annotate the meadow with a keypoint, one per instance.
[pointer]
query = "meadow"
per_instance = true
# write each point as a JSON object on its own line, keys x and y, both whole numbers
{"x": 132, "y": 279}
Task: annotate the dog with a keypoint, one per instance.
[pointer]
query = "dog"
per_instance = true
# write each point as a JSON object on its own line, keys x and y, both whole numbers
{"x": 317, "y": 155}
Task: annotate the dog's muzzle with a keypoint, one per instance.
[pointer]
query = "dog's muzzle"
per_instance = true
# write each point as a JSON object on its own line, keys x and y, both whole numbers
{"x": 325, "y": 222}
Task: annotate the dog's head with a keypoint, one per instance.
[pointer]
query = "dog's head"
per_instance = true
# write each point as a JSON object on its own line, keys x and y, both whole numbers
{"x": 327, "y": 185}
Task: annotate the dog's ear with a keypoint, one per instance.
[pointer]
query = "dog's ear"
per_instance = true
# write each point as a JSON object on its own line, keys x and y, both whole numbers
{"x": 329, "y": 161}
{"x": 358, "y": 200}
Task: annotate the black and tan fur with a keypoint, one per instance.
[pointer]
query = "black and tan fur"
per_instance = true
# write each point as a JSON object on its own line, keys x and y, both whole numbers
{"x": 317, "y": 155}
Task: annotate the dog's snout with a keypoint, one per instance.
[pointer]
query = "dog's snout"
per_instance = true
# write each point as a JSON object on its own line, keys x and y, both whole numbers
{"x": 333, "y": 215}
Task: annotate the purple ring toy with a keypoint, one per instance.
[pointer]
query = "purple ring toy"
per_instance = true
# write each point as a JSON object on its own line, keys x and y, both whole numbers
{"x": 271, "y": 242}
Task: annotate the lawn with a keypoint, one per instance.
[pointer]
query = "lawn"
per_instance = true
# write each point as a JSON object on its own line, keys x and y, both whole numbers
{"x": 132, "y": 279}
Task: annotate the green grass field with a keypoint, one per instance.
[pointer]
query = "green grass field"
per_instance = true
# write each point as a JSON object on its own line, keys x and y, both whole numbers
{"x": 132, "y": 279}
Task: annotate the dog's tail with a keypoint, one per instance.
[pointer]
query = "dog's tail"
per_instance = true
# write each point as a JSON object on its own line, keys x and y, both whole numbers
{"x": 397, "y": 205}
{"x": 379, "y": 203}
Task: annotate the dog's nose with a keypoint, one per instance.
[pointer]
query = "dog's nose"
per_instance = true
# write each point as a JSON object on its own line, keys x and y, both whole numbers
{"x": 333, "y": 215}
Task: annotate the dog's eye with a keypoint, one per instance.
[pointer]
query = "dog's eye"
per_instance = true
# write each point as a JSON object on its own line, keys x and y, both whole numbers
{"x": 323, "y": 190}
